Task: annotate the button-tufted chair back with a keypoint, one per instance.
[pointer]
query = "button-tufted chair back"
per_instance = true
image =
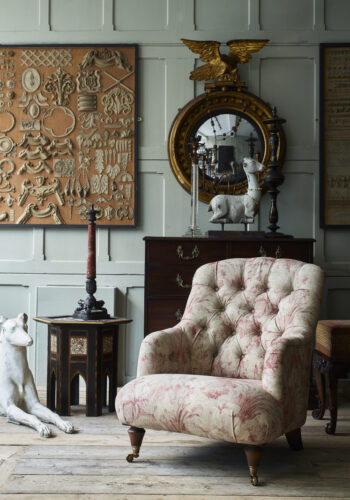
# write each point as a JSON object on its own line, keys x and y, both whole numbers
{"x": 238, "y": 307}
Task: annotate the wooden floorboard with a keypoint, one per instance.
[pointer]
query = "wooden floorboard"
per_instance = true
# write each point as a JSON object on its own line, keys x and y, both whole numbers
{"x": 91, "y": 465}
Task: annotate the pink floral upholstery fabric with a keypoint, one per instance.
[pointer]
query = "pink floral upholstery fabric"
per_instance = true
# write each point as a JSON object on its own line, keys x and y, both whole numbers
{"x": 237, "y": 365}
{"x": 235, "y": 410}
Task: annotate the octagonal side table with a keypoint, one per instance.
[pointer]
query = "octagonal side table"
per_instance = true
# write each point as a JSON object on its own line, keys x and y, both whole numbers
{"x": 87, "y": 348}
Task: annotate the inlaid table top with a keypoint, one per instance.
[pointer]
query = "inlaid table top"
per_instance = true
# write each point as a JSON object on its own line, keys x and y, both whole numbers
{"x": 71, "y": 320}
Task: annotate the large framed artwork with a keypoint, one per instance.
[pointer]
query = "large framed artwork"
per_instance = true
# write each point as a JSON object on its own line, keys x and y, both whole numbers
{"x": 335, "y": 135}
{"x": 68, "y": 117}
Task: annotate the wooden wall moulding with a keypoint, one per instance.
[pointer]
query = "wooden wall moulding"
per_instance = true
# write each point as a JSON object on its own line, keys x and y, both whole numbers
{"x": 335, "y": 135}
{"x": 68, "y": 135}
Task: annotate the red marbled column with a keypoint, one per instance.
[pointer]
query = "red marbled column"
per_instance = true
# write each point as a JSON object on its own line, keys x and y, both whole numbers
{"x": 91, "y": 258}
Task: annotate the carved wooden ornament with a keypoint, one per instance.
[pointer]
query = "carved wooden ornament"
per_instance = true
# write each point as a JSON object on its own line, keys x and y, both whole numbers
{"x": 69, "y": 140}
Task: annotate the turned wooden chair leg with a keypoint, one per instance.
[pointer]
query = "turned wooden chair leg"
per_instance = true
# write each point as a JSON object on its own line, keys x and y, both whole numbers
{"x": 253, "y": 454}
{"x": 333, "y": 405}
{"x": 136, "y": 436}
{"x": 318, "y": 413}
{"x": 294, "y": 439}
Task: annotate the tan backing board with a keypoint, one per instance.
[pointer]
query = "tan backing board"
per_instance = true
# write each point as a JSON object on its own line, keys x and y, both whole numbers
{"x": 68, "y": 134}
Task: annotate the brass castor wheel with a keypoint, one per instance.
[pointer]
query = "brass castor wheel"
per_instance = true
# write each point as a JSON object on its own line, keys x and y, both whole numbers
{"x": 130, "y": 458}
{"x": 254, "y": 480}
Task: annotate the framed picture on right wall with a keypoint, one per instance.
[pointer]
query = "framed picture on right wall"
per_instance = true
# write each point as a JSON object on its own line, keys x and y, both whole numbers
{"x": 335, "y": 135}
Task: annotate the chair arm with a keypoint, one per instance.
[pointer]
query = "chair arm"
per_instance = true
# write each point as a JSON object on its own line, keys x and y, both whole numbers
{"x": 286, "y": 374}
{"x": 165, "y": 351}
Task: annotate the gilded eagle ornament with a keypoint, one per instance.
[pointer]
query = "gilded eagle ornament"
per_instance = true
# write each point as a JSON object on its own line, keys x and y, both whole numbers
{"x": 220, "y": 66}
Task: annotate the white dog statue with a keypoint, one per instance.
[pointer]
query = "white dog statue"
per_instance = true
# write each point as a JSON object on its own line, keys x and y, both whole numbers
{"x": 19, "y": 400}
{"x": 239, "y": 208}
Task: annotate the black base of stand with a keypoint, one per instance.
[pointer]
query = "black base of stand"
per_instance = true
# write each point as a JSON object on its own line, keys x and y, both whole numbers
{"x": 90, "y": 308}
{"x": 92, "y": 314}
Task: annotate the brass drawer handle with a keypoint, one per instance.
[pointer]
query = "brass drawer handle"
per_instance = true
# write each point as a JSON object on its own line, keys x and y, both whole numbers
{"x": 180, "y": 253}
{"x": 180, "y": 282}
{"x": 278, "y": 253}
{"x": 262, "y": 251}
{"x": 179, "y": 314}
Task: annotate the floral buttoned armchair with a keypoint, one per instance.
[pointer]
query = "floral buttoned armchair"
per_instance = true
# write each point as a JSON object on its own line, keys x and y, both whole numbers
{"x": 237, "y": 366}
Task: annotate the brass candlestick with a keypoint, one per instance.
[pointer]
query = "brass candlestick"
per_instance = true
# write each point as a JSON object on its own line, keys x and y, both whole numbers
{"x": 90, "y": 308}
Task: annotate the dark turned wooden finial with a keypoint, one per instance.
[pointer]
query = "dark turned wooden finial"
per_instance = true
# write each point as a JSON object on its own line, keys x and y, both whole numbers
{"x": 90, "y": 308}
{"x": 273, "y": 177}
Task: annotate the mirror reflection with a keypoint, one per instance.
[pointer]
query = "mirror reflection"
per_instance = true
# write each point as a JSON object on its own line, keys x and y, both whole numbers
{"x": 225, "y": 139}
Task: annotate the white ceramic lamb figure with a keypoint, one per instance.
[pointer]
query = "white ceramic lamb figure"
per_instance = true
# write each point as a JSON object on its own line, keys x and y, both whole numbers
{"x": 19, "y": 400}
{"x": 239, "y": 208}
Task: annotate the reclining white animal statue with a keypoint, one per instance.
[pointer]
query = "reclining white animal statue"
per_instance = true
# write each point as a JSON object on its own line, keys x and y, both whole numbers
{"x": 19, "y": 400}
{"x": 239, "y": 208}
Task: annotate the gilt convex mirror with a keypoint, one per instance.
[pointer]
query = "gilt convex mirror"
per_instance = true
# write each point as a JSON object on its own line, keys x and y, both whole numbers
{"x": 229, "y": 122}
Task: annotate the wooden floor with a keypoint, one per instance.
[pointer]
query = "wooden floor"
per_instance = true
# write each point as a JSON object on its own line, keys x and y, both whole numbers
{"x": 91, "y": 464}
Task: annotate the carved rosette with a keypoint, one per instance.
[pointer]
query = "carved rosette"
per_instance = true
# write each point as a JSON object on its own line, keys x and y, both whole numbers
{"x": 89, "y": 81}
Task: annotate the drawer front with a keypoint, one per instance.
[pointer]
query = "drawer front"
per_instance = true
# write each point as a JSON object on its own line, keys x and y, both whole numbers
{"x": 183, "y": 253}
{"x": 288, "y": 250}
{"x": 283, "y": 249}
{"x": 171, "y": 265}
{"x": 163, "y": 314}
{"x": 171, "y": 280}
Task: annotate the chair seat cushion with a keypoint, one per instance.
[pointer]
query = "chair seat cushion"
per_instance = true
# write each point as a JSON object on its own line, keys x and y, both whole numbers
{"x": 235, "y": 410}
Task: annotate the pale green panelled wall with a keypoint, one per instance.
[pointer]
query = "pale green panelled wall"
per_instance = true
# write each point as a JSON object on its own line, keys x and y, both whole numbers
{"x": 42, "y": 271}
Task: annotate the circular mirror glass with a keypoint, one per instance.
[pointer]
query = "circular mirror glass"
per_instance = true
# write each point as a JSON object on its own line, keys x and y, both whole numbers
{"x": 232, "y": 125}
{"x": 225, "y": 139}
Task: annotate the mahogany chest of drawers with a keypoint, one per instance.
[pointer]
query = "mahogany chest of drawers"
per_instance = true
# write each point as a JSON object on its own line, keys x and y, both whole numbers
{"x": 170, "y": 263}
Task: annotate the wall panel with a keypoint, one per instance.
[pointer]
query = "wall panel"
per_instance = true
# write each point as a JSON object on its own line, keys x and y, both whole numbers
{"x": 126, "y": 245}
{"x": 140, "y": 15}
{"x": 221, "y": 15}
{"x": 337, "y": 245}
{"x": 286, "y": 15}
{"x": 289, "y": 84}
{"x": 68, "y": 15}
{"x": 16, "y": 244}
{"x": 65, "y": 244}
{"x": 152, "y": 108}
{"x": 19, "y": 16}
{"x": 134, "y": 333}
{"x": 14, "y": 299}
{"x": 336, "y": 16}
{"x": 295, "y": 205}
{"x": 338, "y": 300}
